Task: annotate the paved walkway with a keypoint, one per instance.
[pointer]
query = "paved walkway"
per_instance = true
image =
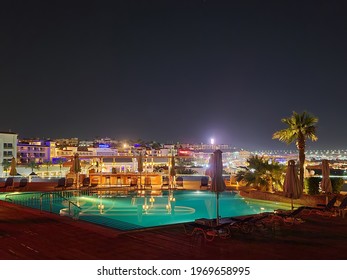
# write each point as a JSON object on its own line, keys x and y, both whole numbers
{"x": 28, "y": 234}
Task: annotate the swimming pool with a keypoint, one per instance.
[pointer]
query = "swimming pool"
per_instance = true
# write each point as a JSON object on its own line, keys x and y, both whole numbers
{"x": 142, "y": 211}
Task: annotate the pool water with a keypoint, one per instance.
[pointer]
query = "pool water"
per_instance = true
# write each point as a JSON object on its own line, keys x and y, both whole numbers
{"x": 136, "y": 212}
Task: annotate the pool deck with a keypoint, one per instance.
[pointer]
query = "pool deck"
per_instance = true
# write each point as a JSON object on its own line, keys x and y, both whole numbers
{"x": 29, "y": 234}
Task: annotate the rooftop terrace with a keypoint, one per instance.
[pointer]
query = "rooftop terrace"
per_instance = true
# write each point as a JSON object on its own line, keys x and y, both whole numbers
{"x": 28, "y": 234}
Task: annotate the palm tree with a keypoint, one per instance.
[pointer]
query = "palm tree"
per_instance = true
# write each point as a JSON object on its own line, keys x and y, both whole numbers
{"x": 60, "y": 162}
{"x": 300, "y": 127}
{"x": 33, "y": 165}
{"x": 48, "y": 163}
{"x": 6, "y": 165}
{"x": 262, "y": 174}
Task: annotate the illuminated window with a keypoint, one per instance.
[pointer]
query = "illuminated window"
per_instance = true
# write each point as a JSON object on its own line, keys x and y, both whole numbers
{"x": 8, "y": 145}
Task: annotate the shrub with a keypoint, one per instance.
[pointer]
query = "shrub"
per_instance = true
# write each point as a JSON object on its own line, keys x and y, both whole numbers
{"x": 337, "y": 184}
{"x": 312, "y": 185}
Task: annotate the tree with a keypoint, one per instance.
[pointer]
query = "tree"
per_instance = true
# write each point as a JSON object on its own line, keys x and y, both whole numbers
{"x": 262, "y": 174}
{"x": 60, "y": 162}
{"x": 6, "y": 165}
{"x": 33, "y": 165}
{"x": 183, "y": 166}
{"x": 300, "y": 127}
{"x": 48, "y": 163}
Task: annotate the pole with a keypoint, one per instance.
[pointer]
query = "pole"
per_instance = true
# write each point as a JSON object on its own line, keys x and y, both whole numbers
{"x": 291, "y": 201}
{"x": 217, "y": 208}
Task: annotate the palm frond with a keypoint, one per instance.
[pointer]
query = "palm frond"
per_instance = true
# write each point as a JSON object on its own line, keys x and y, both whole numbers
{"x": 298, "y": 125}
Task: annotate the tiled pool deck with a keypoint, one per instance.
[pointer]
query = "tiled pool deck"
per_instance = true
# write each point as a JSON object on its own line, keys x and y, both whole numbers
{"x": 28, "y": 234}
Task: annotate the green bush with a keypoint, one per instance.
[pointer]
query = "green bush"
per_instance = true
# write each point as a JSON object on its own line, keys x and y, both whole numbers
{"x": 312, "y": 185}
{"x": 337, "y": 184}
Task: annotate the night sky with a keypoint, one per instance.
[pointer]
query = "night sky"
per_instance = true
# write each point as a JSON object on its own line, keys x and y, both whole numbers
{"x": 173, "y": 71}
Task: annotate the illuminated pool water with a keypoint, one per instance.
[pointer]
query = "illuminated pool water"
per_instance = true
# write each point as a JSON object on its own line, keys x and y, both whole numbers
{"x": 135, "y": 212}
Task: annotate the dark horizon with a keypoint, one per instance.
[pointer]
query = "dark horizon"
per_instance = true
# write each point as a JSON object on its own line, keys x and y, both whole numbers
{"x": 174, "y": 71}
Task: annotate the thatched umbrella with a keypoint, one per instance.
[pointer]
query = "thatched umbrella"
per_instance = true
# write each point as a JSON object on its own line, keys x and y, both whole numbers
{"x": 13, "y": 170}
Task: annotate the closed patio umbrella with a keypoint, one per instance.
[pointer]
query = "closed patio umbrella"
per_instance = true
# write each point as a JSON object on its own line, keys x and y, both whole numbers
{"x": 326, "y": 182}
{"x": 77, "y": 163}
{"x": 172, "y": 171}
{"x": 218, "y": 184}
{"x": 13, "y": 170}
{"x": 140, "y": 166}
{"x": 292, "y": 187}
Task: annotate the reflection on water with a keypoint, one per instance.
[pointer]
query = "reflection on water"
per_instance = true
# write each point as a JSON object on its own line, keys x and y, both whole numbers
{"x": 171, "y": 208}
{"x": 146, "y": 210}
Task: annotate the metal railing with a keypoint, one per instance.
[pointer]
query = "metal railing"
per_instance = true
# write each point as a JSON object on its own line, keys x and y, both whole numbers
{"x": 73, "y": 208}
{"x": 53, "y": 195}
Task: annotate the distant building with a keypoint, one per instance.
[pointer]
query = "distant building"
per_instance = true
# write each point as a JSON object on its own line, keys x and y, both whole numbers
{"x": 8, "y": 146}
{"x": 67, "y": 142}
{"x": 39, "y": 151}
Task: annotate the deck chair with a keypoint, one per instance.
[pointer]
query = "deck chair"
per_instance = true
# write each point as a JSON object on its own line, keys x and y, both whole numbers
{"x": 133, "y": 182}
{"x": 179, "y": 182}
{"x": 85, "y": 183}
{"x": 22, "y": 184}
{"x": 321, "y": 209}
{"x": 204, "y": 183}
{"x": 69, "y": 183}
{"x": 148, "y": 183}
{"x": 8, "y": 184}
{"x": 208, "y": 229}
{"x": 61, "y": 184}
{"x": 250, "y": 223}
{"x": 342, "y": 208}
{"x": 85, "y": 187}
{"x": 287, "y": 217}
{"x": 94, "y": 183}
{"x": 165, "y": 183}
{"x": 330, "y": 208}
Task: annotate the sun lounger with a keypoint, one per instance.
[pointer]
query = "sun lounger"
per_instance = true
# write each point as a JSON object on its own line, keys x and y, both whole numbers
{"x": 22, "y": 184}
{"x": 204, "y": 183}
{"x": 287, "y": 217}
{"x": 179, "y": 182}
{"x": 208, "y": 229}
{"x": 250, "y": 223}
{"x": 133, "y": 182}
{"x": 330, "y": 209}
{"x": 342, "y": 208}
{"x": 148, "y": 183}
{"x": 69, "y": 184}
{"x": 94, "y": 183}
{"x": 165, "y": 183}
{"x": 61, "y": 184}
{"x": 324, "y": 210}
{"x": 85, "y": 183}
{"x": 8, "y": 184}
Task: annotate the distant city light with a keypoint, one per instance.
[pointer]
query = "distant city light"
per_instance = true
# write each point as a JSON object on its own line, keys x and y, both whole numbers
{"x": 212, "y": 141}
{"x": 104, "y": 146}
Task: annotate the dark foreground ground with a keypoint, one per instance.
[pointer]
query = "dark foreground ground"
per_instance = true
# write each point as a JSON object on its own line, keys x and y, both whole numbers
{"x": 29, "y": 234}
